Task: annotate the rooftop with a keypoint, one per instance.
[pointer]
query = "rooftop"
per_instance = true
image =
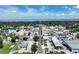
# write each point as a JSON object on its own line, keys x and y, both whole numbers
{"x": 74, "y": 44}
{"x": 56, "y": 41}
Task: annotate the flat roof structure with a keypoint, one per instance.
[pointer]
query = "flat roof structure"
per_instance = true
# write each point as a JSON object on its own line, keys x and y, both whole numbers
{"x": 56, "y": 41}
{"x": 73, "y": 44}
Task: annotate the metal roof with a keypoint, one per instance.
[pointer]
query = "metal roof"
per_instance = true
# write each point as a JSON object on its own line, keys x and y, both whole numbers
{"x": 56, "y": 41}
{"x": 74, "y": 44}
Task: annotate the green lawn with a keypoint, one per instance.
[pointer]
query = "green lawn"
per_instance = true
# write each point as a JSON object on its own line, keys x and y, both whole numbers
{"x": 23, "y": 53}
{"x": 6, "y": 49}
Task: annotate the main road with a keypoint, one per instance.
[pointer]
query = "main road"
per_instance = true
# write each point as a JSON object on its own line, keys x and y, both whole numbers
{"x": 39, "y": 41}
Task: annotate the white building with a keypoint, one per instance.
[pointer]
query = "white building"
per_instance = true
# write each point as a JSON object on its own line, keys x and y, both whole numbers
{"x": 56, "y": 42}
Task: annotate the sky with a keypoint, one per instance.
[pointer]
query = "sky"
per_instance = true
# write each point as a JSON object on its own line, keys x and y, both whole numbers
{"x": 39, "y": 12}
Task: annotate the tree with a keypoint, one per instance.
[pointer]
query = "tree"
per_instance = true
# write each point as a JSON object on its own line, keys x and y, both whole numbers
{"x": 36, "y": 38}
{"x": 13, "y": 40}
{"x": 17, "y": 37}
{"x": 46, "y": 50}
{"x": 77, "y": 35}
{"x": 17, "y": 30}
{"x": 29, "y": 33}
{"x": 1, "y": 43}
{"x": 25, "y": 38}
{"x": 34, "y": 48}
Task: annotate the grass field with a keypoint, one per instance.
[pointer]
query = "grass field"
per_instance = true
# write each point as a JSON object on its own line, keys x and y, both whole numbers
{"x": 23, "y": 53}
{"x": 6, "y": 49}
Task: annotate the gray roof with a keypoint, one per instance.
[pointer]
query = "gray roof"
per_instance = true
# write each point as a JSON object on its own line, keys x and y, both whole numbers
{"x": 74, "y": 44}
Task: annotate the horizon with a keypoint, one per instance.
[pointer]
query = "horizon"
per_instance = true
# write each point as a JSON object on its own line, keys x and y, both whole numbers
{"x": 77, "y": 20}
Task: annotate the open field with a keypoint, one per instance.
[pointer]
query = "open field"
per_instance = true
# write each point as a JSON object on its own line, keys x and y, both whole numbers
{"x": 6, "y": 49}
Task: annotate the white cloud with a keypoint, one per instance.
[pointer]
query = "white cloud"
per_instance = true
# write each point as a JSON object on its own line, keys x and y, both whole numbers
{"x": 30, "y": 10}
{"x": 60, "y": 14}
{"x": 77, "y": 6}
{"x": 70, "y": 8}
{"x": 66, "y": 7}
{"x": 43, "y": 8}
{"x": 13, "y": 11}
{"x": 9, "y": 9}
{"x": 72, "y": 13}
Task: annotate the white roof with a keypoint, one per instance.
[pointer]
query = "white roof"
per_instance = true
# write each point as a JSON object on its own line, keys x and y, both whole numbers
{"x": 56, "y": 41}
{"x": 21, "y": 32}
{"x": 12, "y": 31}
{"x": 45, "y": 37}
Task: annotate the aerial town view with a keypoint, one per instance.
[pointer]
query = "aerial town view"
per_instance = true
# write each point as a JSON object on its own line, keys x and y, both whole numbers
{"x": 39, "y": 29}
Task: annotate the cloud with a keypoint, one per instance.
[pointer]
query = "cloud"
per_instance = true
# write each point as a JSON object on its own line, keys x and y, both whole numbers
{"x": 68, "y": 8}
{"x": 72, "y": 13}
{"x": 60, "y": 14}
{"x": 9, "y": 9}
{"x": 76, "y": 6}
{"x": 31, "y": 10}
{"x": 43, "y": 8}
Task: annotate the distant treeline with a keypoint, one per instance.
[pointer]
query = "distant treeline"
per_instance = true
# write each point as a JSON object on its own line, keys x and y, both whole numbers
{"x": 39, "y": 22}
{"x": 74, "y": 25}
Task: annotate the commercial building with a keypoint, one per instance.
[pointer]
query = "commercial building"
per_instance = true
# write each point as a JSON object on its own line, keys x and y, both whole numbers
{"x": 57, "y": 43}
{"x": 72, "y": 45}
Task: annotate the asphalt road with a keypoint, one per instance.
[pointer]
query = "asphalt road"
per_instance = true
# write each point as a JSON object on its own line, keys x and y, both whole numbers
{"x": 39, "y": 42}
